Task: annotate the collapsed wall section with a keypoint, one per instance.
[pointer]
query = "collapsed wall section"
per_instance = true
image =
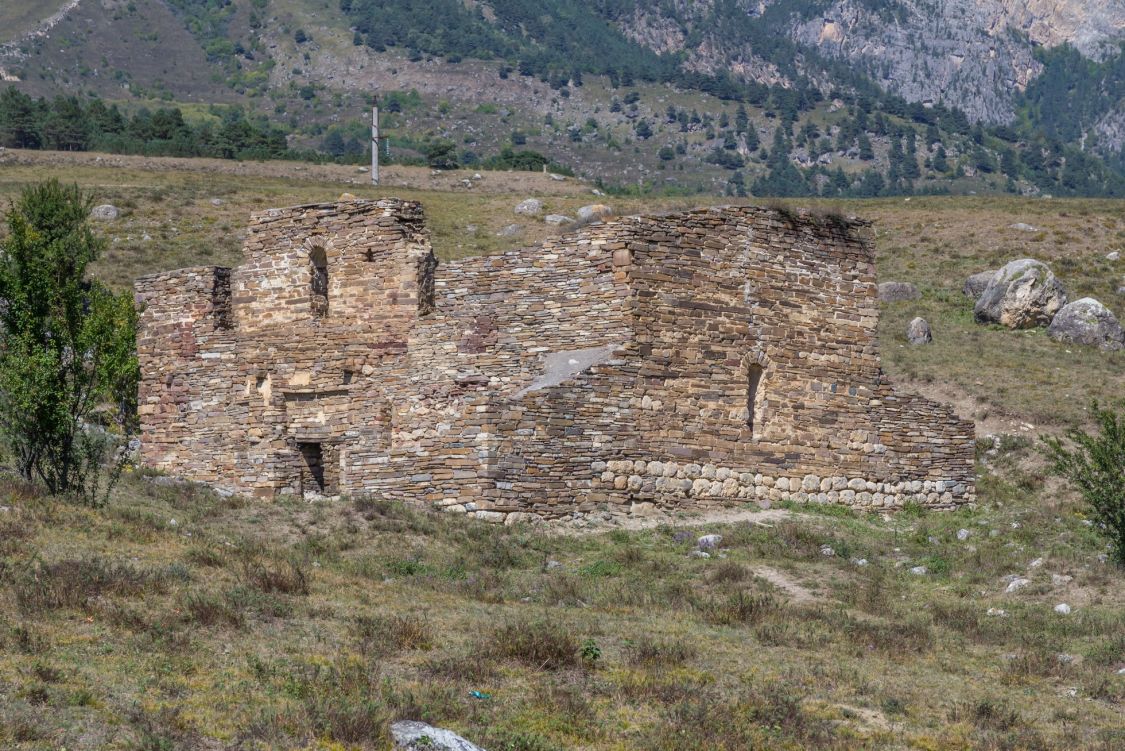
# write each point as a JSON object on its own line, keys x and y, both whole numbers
{"x": 498, "y": 324}
{"x": 186, "y": 348}
{"x": 751, "y": 372}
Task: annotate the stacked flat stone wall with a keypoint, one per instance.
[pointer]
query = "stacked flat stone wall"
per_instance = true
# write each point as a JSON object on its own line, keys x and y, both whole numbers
{"x": 710, "y": 357}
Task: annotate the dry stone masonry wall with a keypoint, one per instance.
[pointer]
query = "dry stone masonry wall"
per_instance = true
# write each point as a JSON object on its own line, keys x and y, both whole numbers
{"x": 718, "y": 356}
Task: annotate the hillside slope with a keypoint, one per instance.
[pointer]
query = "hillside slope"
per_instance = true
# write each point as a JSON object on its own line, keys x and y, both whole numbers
{"x": 630, "y": 91}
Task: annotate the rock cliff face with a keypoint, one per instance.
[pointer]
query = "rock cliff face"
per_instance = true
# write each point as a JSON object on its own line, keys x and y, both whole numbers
{"x": 975, "y": 54}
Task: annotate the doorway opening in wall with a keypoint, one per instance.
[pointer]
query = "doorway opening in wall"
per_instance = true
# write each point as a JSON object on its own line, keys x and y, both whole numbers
{"x": 312, "y": 469}
{"x": 753, "y": 382}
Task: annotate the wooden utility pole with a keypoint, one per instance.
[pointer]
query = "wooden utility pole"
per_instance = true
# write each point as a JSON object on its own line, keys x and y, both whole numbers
{"x": 375, "y": 141}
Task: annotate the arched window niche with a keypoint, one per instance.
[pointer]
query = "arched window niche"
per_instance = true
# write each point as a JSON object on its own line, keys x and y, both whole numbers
{"x": 755, "y": 367}
{"x": 318, "y": 283}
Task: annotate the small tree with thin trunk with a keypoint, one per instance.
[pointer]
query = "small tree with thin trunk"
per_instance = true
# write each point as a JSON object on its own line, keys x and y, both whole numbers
{"x": 68, "y": 365}
{"x": 1096, "y": 467}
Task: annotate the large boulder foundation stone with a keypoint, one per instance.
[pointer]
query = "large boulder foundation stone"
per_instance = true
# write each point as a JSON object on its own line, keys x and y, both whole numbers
{"x": 1022, "y": 295}
{"x": 1087, "y": 322}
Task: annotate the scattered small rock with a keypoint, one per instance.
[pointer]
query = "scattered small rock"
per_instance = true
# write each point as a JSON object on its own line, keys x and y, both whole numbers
{"x": 918, "y": 332}
{"x": 557, "y": 178}
{"x": 1036, "y": 563}
{"x": 1023, "y": 227}
{"x": 510, "y": 231}
{"x": 998, "y": 612}
{"x": 1064, "y": 658}
{"x": 896, "y": 291}
{"x": 1062, "y": 609}
{"x": 1061, "y": 580}
{"x": 530, "y": 207}
{"x": 827, "y": 551}
{"x": 962, "y": 534}
{"x": 1087, "y": 321}
{"x": 1017, "y": 583}
{"x": 409, "y": 735}
{"x": 553, "y": 564}
{"x": 557, "y": 219}
{"x": 700, "y": 554}
{"x": 919, "y": 571}
{"x": 105, "y": 213}
{"x": 859, "y": 561}
{"x": 1113, "y": 256}
{"x": 709, "y": 541}
{"x": 217, "y": 202}
{"x": 1022, "y": 295}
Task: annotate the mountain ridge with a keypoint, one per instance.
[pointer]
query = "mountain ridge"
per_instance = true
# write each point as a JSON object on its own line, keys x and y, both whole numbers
{"x": 943, "y": 63}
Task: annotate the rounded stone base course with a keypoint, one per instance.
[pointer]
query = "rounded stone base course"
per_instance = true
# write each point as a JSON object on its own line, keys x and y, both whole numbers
{"x": 638, "y": 487}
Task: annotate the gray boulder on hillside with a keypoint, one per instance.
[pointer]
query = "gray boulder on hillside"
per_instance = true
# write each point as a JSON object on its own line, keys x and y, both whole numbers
{"x": 1088, "y": 322}
{"x": 594, "y": 212}
{"x": 557, "y": 219}
{"x": 976, "y": 284}
{"x": 918, "y": 332}
{"x": 418, "y": 736}
{"x": 1022, "y": 295}
{"x": 105, "y": 213}
{"x": 530, "y": 207}
{"x": 895, "y": 291}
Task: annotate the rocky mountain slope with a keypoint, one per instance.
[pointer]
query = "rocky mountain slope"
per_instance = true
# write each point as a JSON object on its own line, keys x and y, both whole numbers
{"x": 1043, "y": 76}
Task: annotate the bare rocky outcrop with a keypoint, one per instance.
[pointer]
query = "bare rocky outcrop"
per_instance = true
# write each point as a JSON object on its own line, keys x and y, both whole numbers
{"x": 1022, "y": 295}
{"x": 1087, "y": 321}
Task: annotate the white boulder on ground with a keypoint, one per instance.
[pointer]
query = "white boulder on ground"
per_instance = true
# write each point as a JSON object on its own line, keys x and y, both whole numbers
{"x": 557, "y": 219}
{"x": 1088, "y": 322}
{"x": 105, "y": 213}
{"x": 409, "y": 735}
{"x": 1022, "y": 295}
{"x": 918, "y": 332}
{"x": 530, "y": 207}
{"x": 976, "y": 284}
{"x": 594, "y": 212}
{"x": 895, "y": 291}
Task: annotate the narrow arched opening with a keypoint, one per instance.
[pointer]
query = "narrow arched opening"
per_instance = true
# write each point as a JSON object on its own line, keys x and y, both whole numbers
{"x": 753, "y": 394}
{"x": 318, "y": 286}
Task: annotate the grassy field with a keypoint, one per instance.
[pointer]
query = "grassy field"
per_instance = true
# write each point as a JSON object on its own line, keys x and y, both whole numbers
{"x": 175, "y": 619}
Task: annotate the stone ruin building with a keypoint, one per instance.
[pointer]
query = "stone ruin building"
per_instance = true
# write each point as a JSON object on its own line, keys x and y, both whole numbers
{"x": 717, "y": 356}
